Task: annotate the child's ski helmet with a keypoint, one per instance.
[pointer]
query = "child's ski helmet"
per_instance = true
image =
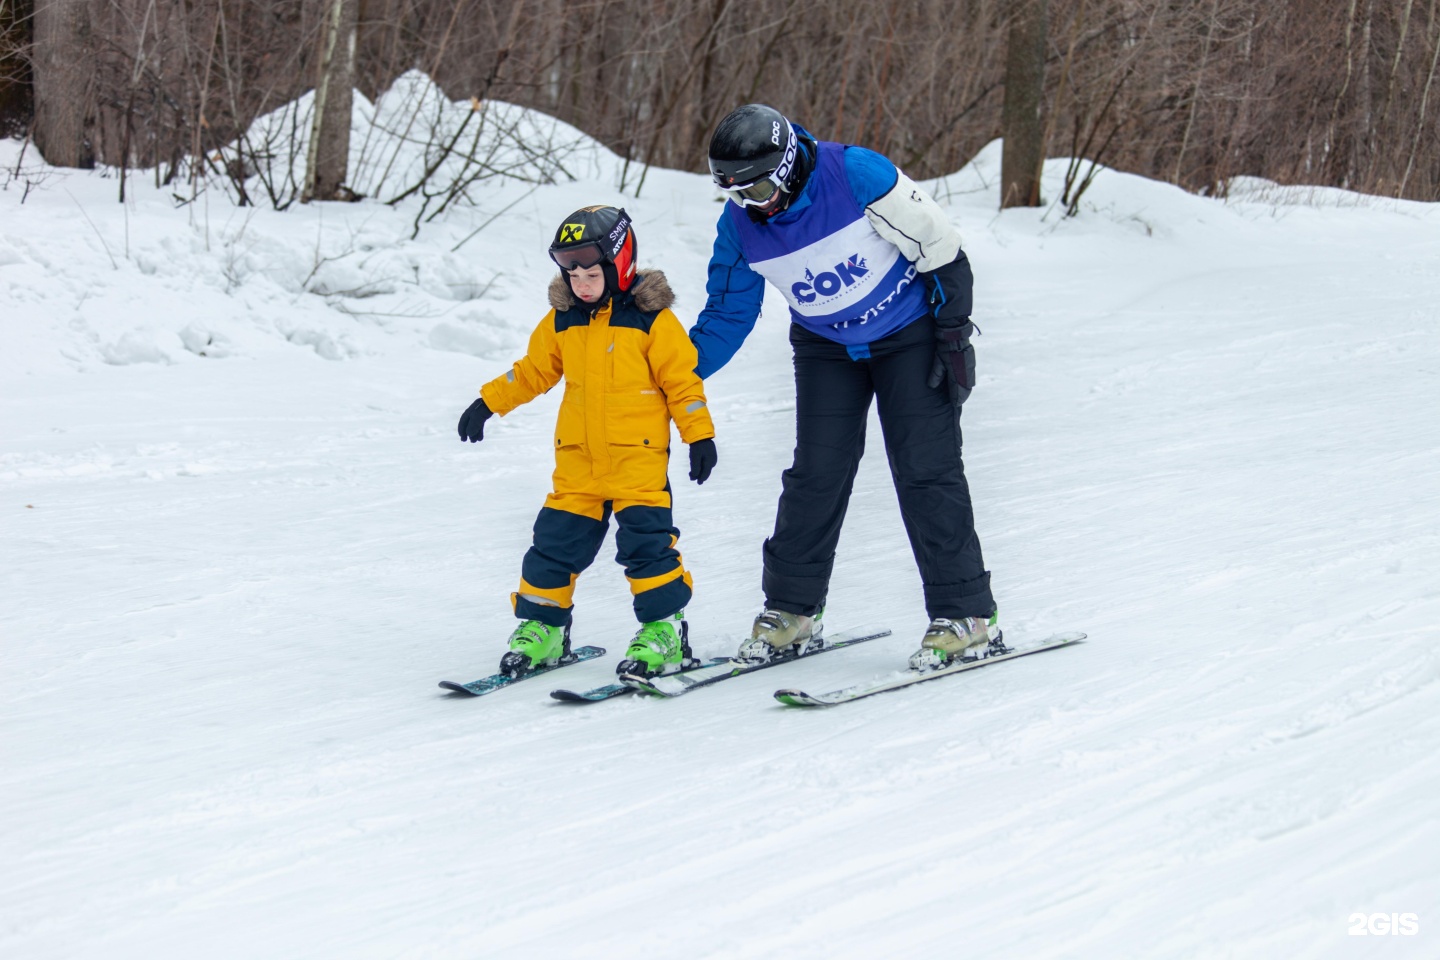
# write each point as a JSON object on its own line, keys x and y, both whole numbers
{"x": 597, "y": 234}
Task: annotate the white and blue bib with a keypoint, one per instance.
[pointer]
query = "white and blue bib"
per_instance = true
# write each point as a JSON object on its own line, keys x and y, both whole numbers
{"x": 842, "y": 279}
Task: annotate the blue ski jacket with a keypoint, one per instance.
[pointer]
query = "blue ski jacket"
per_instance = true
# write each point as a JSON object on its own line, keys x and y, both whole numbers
{"x": 854, "y": 197}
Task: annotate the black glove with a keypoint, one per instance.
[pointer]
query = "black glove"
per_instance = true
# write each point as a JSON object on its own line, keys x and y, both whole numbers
{"x": 954, "y": 360}
{"x": 472, "y": 421}
{"x": 703, "y": 458}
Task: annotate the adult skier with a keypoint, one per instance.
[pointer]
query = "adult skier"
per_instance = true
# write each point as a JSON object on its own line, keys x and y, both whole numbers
{"x": 880, "y": 299}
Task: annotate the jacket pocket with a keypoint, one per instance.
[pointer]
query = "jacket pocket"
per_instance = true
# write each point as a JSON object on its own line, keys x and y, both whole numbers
{"x": 570, "y": 424}
{"x": 629, "y": 366}
{"x": 638, "y": 420}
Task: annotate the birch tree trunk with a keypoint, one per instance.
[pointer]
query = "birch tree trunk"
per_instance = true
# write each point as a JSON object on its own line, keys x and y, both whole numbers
{"x": 328, "y": 159}
{"x": 1024, "y": 133}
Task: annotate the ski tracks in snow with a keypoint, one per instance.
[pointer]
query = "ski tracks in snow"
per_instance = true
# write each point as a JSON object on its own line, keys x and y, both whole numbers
{"x": 230, "y": 586}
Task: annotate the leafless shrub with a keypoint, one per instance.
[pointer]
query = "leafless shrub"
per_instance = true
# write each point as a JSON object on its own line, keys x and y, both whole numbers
{"x": 420, "y": 144}
{"x": 28, "y": 171}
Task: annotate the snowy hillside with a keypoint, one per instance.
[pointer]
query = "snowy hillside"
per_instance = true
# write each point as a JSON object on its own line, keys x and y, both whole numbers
{"x": 241, "y": 544}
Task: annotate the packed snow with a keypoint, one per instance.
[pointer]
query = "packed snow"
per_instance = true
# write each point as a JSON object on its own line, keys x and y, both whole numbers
{"x": 242, "y": 544}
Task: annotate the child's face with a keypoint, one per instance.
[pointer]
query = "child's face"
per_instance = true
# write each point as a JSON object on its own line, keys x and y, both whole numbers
{"x": 588, "y": 283}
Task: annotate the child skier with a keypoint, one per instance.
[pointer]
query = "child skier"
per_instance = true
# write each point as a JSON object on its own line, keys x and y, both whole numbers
{"x": 629, "y": 368}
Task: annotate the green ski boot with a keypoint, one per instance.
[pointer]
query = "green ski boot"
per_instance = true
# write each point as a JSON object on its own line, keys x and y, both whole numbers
{"x": 659, "y": 647}
{"x": 535, "y": 644}
{"x": 952, "y": 641}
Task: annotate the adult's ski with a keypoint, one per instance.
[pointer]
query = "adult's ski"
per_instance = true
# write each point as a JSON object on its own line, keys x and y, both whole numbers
{"x": 478, "y": 688}
{"x": 799, "y": 698}
{"x": 676, "y": 684}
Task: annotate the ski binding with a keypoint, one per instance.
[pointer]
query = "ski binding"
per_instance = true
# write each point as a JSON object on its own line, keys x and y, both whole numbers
{"x": 676, "y": 684}
{"x": 478, "y": 688}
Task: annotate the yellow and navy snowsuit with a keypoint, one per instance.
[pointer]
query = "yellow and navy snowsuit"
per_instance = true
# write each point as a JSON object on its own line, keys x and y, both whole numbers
{"x": 629, "y": 368}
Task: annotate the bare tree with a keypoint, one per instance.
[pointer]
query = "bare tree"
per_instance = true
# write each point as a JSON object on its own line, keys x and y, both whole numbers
{"x": 328, "y": 159}
{"x": 1023, "y": 127}
{"x": 61, "y": 61}
{"x": 16, "y": 109}
{"x": 1192, "y": 91}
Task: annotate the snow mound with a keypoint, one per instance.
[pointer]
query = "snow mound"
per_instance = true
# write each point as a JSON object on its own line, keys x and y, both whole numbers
{"x": 8, "y": 254}
{"x": 459, "y": 266}
{"x": 415, "y": 141}
{"x": 210, "y": 276}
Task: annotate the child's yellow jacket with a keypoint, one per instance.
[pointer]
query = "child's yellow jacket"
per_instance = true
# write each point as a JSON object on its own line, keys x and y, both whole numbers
{"x": 629, "y": 368}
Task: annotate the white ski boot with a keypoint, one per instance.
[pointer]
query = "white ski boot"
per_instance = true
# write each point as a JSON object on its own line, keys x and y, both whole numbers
{"x": 779, "y": 632}
{"x": 952, "y": 641}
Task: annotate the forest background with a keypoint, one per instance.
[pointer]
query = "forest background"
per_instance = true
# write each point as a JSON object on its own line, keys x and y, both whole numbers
{"x": 1193, "y": 92}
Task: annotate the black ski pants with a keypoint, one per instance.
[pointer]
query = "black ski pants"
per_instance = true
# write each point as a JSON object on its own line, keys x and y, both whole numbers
{"x": 922, "y": 441}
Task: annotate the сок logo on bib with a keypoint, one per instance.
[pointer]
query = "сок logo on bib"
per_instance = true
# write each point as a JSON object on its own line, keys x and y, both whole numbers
{"x": 829, "y": 283}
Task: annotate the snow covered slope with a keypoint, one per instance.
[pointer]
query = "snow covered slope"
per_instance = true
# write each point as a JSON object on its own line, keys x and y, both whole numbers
{"x": 241, "y": 544}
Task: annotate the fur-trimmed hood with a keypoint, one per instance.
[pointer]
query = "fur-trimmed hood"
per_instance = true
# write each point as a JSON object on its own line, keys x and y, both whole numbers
{"x": 650, "y": 291}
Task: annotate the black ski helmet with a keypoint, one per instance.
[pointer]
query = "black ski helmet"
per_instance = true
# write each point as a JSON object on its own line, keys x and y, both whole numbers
{"x": 597, "y": 234}
{"x": 756, "y": 144}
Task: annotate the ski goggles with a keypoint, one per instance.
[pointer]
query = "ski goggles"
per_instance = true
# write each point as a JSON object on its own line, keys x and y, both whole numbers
{"x": 754, "y": 194}
{"x": 761, "y": 191}
{"x": 582, "y": 257}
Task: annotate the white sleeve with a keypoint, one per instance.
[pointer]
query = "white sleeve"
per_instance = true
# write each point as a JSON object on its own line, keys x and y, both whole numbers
{"x": 910, "y": 219}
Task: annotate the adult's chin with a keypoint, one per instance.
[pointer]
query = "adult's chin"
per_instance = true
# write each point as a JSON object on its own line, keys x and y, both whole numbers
{"x": 764, "y": 213}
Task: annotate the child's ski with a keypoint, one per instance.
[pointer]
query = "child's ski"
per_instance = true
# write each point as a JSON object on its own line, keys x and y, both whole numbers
{"x": 675, "y": 684}
{"x": 610, "y": 690}
{"x": 478, "y": 688}
{"x": 591, "y": 696}
{"x": 799, "y": 698}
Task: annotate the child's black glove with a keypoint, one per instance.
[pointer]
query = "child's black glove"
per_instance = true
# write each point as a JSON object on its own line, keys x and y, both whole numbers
{"x": 703, "y": 458}
{"x": 472, "y": 421}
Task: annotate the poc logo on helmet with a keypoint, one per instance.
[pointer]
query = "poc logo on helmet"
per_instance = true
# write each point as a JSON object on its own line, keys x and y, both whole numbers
{"x": 829, "y": 283}
{"x": 775, "y": 132}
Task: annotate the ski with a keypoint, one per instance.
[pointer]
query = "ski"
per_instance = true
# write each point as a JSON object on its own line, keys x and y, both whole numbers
{"x": 478, "y": 688}
{"x": 591, "y": 696}
{"x": 676, "y": 684}
{"x": 611, "y": 690}
{"x": 799, "y": 698}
